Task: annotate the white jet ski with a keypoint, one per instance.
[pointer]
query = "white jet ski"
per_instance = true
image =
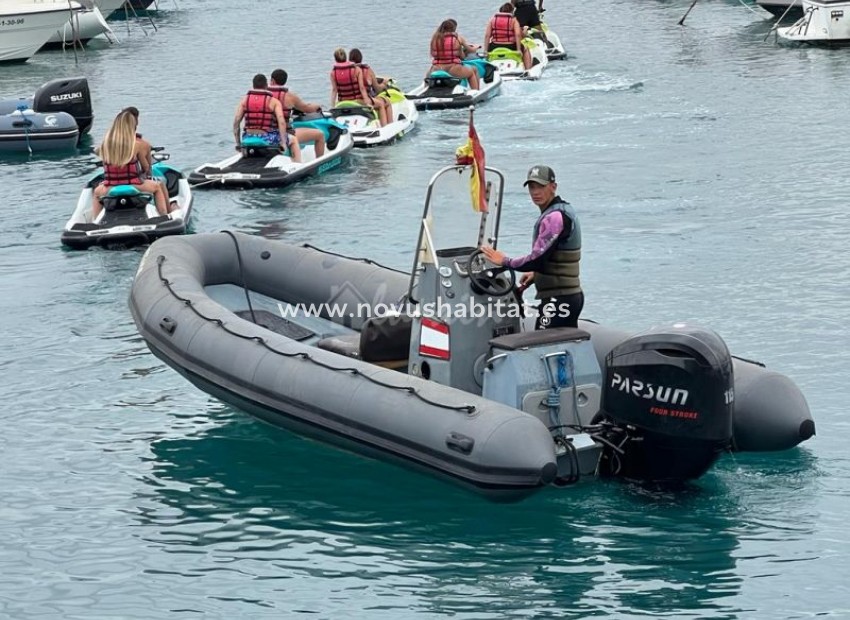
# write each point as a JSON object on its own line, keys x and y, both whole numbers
{"x": 363, "y": 124}
{"x": 509, "y": 61}
{"x": 129, "y": 217}
{"x": 259, "y": 164}
{"x": 440, "y": 90}
{"x": 554, "y": 48}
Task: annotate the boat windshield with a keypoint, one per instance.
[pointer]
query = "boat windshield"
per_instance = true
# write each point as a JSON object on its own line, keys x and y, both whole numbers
{"x": 449, "y": 224}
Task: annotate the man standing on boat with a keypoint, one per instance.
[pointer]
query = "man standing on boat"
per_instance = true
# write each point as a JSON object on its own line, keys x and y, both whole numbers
{"x": 553, "y": 264}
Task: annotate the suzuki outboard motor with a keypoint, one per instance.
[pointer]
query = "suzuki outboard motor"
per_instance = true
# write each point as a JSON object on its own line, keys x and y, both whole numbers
{"x": 668, "y": 397}
{"x": 69, "y": 95}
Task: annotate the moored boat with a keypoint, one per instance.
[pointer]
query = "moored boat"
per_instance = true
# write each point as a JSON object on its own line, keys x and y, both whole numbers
{"x": 83, "y": 26}
{"x": 27, "y": 25}
{"x": 824, "y": 22}
{"x": 791, "y": 9}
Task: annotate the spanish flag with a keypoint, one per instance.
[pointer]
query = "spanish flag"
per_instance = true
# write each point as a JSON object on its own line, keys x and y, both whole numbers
{"x": 472, "y": 154}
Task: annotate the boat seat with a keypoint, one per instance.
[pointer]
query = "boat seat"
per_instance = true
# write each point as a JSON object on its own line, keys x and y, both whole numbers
{"x": 525, "y": 340}
{"x": 384, "y": 341}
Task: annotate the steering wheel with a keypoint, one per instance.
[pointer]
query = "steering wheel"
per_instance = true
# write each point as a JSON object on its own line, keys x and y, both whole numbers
{"x": 486, "y": 280}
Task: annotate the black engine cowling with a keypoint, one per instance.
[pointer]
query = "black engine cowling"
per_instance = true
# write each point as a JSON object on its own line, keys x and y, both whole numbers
{"x": 69, "y": 95}
{"x": 669, "y": 396}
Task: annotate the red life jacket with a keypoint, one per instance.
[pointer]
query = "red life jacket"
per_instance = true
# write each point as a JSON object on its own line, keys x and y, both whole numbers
{"x": 447, "y": 50}
{"x": 370, "y": 88}
{"x": 279, "y": 93}
{"x": 128, "y": 174}
{"x": 502, "y": 29}
{"x": 345, "y": 78}
{"x": 258, "y": 113}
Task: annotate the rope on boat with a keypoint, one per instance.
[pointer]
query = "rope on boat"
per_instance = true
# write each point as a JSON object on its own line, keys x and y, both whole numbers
{"x": 749, "y": 8}
{"x": 368, "y": 261}
{"x": 470, "y": 409}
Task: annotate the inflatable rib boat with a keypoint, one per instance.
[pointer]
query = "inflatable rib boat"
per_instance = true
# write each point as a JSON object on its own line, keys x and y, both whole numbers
{"x": 270, "y": 328}
{"x": 259, "y": 164}
{"x": 51, "y": 120}
{"x": 129, "y": 217}
{"x": 440, "y": 90}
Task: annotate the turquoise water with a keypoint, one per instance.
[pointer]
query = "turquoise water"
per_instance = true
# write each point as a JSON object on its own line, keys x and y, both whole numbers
{"x": 708, "y": 171}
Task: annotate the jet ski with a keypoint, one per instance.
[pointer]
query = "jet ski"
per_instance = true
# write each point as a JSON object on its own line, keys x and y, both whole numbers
{"x": 509, "y": 61}
{"x": 129, "y": 217}
{"x": 554, "y": 47}
{"x": 440, "y": 90}
{"x": 260, "y": 164}
{"x": 362, "y": 121}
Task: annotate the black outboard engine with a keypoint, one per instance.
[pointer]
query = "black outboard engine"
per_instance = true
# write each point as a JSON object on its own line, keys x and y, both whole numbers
{"x": 668, "y": 397}
{"x": 69, "y": 95}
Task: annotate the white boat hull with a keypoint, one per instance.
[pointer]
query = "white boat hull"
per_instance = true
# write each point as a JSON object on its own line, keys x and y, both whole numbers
{"x": 108, "y": 7}
{"x": 27, "y": 26}
{"x": 788, "y": 8}
{"x": 83, "y": 26}
{"x": 824, "y": 22}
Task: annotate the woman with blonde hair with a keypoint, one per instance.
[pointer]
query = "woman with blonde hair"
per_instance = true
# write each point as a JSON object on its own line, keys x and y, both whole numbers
{"x": 120, "y": 154}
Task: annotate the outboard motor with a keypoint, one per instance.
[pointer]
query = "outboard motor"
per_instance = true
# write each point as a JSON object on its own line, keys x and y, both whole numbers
{"x": 69, "y": 95}
{"x": 668, "y": 396}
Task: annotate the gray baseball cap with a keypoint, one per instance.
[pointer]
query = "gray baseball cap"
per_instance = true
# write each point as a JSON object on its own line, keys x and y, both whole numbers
{"x": 540, "y": 174}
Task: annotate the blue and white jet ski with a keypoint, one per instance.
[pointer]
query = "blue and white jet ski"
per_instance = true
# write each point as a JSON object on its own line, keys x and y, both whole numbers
{"x": 441, "y": 90}
{"x": 260, "y": 164}
{"x": 363, "y": 122}
{"x": 129, "y": 217}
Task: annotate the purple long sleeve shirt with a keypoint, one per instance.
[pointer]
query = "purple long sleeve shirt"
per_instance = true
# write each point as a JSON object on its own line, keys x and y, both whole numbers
{"x": 551, "y": 229}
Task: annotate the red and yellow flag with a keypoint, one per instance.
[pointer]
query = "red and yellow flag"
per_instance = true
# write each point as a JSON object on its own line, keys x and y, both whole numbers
{"x": 472, "y": 154}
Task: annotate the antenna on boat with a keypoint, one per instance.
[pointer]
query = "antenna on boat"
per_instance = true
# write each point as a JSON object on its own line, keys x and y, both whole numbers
{"x": 690, "y": 8}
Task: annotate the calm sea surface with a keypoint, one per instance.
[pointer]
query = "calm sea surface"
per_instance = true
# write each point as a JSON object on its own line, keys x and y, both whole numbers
{"x": 709, "y": 171}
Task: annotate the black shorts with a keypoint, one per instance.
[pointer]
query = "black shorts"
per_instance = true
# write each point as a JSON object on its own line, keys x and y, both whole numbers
{"x": 527, "y": 15}
{"x": 492, "y": 46}
{"x": 560, "y": 311}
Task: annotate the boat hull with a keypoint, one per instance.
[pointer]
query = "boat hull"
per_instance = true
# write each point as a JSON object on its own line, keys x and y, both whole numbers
{"x": 26, "y": 131}
{"x": 284, "y": 376}
{"x": 24, "y": 32}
